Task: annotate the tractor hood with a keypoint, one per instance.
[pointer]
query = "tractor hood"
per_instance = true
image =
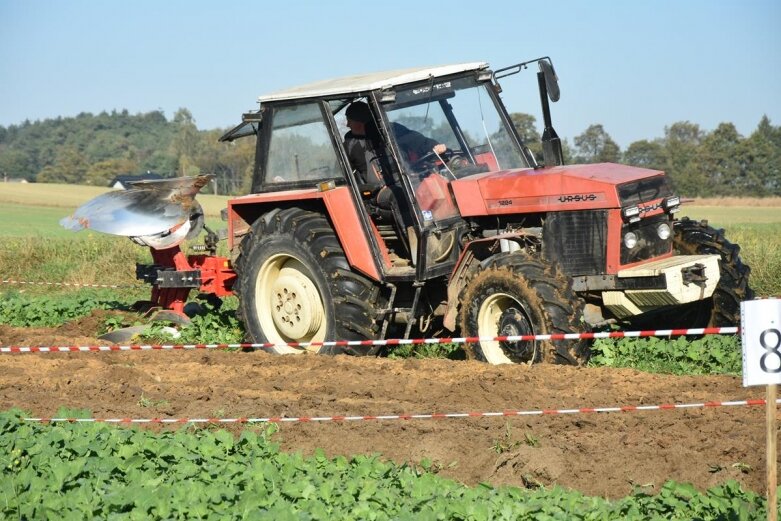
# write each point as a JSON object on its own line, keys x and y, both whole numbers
{"x": 560, "y": 188}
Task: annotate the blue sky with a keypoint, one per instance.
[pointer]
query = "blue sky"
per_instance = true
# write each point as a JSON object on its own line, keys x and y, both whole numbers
{"x": 634, "y": 66}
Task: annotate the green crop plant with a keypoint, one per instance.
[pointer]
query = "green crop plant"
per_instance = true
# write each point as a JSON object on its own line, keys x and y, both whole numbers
{"x": 531, "y": 440}
{"x": 24, "y": 310}
{"x": 213, "y": 326}
{"x": 98, "y": 471}
{"x": 448, "y": 351}
{"x": 710, "y": 354}
{"x": 506, "y": 443}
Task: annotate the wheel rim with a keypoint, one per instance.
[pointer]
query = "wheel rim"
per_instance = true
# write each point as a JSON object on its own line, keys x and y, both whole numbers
{"x": 289, "y": 305}
{"x": 503, "y": 315}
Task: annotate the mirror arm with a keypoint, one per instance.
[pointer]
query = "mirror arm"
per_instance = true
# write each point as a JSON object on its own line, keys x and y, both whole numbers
{"x": 551, "y": 144}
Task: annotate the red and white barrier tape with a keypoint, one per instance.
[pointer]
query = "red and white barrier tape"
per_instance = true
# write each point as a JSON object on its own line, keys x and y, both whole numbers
{"x": 70, "y": 284}
{"x": 433, "y": 416}
{"x": 390, "y": 342}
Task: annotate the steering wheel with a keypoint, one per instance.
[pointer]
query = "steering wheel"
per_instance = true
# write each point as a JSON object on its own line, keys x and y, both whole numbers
{"x": 430, "y": 157}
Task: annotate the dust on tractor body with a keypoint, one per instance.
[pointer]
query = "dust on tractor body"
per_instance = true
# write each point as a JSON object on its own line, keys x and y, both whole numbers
{"x": 479, "y": 240}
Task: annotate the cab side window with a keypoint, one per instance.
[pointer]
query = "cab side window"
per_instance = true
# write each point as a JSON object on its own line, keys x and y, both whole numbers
{"x": 300, "y": 148}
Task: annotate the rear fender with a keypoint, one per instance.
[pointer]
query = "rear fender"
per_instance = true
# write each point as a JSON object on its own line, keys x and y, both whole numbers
{"x": 337, "y": 203}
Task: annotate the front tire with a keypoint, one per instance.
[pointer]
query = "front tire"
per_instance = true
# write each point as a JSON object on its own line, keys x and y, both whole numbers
{"x": 295, "y": 285}
{"x": 722, "y": 309}
{"x": 514, "y": 294}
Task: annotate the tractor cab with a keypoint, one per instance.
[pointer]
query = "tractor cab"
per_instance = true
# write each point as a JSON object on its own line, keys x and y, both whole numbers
{"x": 407, "y": 206}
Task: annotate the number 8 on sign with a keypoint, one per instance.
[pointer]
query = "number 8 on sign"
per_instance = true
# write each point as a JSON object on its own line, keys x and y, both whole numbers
{"x": 772, "y": 350}
{"x": 761, "y": 335}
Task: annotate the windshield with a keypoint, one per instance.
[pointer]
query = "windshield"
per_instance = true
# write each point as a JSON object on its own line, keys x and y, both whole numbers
{"x": 459, "y": 114}
{"x": 445, "y": 130}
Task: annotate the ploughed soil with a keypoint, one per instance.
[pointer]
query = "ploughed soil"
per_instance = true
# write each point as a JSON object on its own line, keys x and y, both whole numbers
{"x": 605, "y": 454}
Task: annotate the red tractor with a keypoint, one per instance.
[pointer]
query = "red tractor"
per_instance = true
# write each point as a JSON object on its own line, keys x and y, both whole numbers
{"x": 478, "y": 238}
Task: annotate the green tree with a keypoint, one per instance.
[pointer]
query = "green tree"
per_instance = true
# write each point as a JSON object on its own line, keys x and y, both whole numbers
{"x": 763, "y": 157}
{"x": 159, "y": 161}
{"x": 681, "y": 142}
{"x": 102, "y": 172}
{"x": 721, "y": 163}
{"x": 526, "y": 126}
{"x": 595, "y": 145}
{"x": 14, "y": 163}
{"x": 646, "y": 154}
{"x": 231, "y": 163}
{"x": 185, "y": 142}
{"x": 109, "y": 144}
{"x": 144, "y": 139}
{"x": 69, "y": 167}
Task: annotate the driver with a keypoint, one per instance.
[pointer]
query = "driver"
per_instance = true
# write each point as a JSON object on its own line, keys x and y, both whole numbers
{"x": 365, "y": 152}
{"x": 363, "y": 145}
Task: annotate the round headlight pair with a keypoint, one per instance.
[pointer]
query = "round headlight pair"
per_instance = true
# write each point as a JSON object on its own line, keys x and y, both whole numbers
{"x": 662, "y": 230}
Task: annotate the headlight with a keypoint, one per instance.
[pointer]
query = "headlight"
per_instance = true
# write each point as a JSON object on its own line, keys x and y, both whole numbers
{"x": 630, "y": 240}
{"x": 663, "y": 231}
{"x": 631, "y": 213}
{"x": 672, "y": 204}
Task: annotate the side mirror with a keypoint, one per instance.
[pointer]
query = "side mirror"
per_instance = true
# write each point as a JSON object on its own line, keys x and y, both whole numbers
{"x": 551, "y": 81}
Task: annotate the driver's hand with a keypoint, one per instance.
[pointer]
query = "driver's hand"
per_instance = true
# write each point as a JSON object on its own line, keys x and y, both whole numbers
{"x": 440, "y": 148}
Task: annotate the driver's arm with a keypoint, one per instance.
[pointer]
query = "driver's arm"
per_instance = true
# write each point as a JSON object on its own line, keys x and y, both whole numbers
{"x": 423, "y": 145}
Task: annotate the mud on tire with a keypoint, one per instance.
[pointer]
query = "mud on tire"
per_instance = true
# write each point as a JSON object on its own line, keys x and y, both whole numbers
{"x": 295, "y": 285}
{"x": 514, "y": 294}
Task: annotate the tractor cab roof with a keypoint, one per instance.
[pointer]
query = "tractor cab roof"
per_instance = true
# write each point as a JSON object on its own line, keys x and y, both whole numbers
{"x": 348, "y": 85}
{"x": 368, "y": 82}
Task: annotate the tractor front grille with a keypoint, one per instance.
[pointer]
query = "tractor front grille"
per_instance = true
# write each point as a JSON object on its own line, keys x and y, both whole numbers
{"x": 577, "y": 241}
{"x": 649, "y": 245}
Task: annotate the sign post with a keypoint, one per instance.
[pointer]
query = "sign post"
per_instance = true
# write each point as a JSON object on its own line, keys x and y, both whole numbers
{"x": 772, "y": 470}
{"x": 761, "y": 339}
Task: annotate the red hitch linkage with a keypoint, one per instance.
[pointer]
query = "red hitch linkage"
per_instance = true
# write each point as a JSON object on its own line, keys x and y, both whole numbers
{"x": 174, "y": 274}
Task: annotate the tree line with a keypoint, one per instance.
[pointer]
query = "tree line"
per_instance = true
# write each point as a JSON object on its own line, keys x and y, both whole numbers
{"x": 93, "y": 149}
{"x": 719, "y": 163}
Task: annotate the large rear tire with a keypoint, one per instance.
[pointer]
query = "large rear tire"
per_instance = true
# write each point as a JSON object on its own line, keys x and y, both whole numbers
{"x": 295, "y": 285}
{"x": 514, "y": 294}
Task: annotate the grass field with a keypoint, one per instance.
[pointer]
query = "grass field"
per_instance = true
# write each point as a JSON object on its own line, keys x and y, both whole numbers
{"x": 729, "y": 216}
{"x": 71, "y": 197}
{"x": 35, "y": 209}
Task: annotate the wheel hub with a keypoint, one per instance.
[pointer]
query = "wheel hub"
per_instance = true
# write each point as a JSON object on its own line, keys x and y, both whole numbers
{"x": 502, "y": 315}
{"x": 512, "y": 322}
{"x": 295, "y": 305}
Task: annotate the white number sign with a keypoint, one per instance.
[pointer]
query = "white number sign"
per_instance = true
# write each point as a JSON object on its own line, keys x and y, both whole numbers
{"x": 761, "y": 335}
